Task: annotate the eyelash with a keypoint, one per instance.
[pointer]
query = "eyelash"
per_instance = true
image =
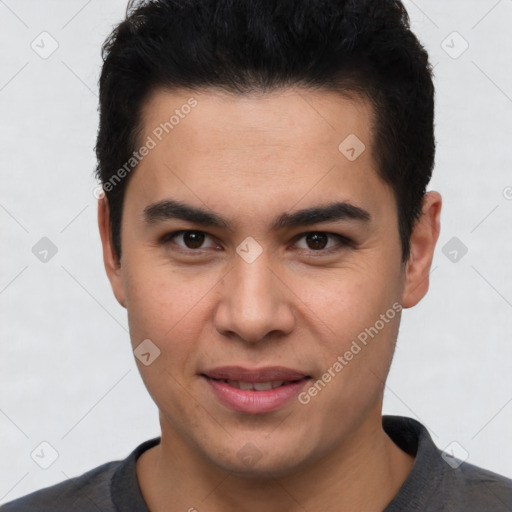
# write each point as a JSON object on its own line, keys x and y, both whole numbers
{"x": 344, "y": 241}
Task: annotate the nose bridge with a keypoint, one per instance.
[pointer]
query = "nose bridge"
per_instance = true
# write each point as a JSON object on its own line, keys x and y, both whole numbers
{"x": 254, "y": 283}
{"x": 254, "y": 302}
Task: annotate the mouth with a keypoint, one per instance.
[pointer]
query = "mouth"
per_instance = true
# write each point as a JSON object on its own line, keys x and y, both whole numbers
{"x": 256, "y": 386}
{"x": 255, "y": 391}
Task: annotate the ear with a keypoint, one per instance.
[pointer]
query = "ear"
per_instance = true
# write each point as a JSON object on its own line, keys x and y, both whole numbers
{"x": 423, "y": 242}
{"x": 110, "y": 260}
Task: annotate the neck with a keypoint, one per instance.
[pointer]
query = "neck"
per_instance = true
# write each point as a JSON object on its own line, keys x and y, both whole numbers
{"x": 365, "y": 473}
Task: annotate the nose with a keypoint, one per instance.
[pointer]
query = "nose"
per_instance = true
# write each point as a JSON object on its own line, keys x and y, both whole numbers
{"x": 255, "y": 303}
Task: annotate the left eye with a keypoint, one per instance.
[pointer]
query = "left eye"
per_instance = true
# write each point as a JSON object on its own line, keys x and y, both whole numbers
{"x": 318, "y": 240}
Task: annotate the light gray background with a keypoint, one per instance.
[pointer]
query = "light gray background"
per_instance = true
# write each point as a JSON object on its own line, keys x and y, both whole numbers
{"x": 68, "y": 375}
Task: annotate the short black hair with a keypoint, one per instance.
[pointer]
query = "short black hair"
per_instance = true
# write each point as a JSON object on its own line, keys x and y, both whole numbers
{"x": 362, "y": 47}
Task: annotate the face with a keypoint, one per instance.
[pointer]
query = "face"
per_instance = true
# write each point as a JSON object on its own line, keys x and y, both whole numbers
{"x": 315, "y": 294}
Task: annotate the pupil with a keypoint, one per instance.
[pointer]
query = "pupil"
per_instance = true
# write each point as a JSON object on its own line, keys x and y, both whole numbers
{"x": 314, "y": 239}
{"x": 193, "y": 239}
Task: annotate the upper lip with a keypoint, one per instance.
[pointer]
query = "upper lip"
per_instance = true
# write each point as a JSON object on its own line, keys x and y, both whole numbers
{"x": 267, "y": 374}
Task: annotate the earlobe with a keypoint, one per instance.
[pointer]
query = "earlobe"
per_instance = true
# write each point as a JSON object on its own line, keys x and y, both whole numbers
{"x": 110, "y": 260}
{"x": 423, "y": 242}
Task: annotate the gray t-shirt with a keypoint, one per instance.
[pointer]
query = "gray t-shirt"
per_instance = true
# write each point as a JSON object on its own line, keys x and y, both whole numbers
{"x": 435, "y": 483}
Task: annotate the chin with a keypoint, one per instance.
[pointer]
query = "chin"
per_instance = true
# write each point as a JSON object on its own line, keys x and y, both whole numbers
{"x": 260, "y": 470}
{"x": 266, "y": 462}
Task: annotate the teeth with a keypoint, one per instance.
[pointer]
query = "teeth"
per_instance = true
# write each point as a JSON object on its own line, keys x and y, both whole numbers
{"x": 255, "y": 386}
{"x": 263, "y": 386}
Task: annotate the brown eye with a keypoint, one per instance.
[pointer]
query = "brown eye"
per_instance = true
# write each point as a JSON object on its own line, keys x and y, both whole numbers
{"x": 317, "y": 241}
{"x": 193, "y": 239}
{"x": 186, "y": 239}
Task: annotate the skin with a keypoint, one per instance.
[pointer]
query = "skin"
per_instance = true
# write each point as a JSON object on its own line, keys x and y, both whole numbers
{"x": 250, "y": 158}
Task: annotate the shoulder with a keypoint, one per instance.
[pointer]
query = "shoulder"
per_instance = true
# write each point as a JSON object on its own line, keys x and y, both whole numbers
{"x": 89, "y": 491}
{"x": 477, "y": 488}
{"x": 438, "y": 480}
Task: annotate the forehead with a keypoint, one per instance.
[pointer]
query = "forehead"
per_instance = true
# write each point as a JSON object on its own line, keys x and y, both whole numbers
{"x": 266, "y": 149}
{"x": 288, "y": 117}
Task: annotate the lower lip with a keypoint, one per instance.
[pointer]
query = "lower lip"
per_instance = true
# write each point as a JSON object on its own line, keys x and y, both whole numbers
{"x": 255, "y": 401}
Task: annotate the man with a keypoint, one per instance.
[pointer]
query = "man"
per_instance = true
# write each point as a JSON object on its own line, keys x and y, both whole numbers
{"x": 264, "y": 223}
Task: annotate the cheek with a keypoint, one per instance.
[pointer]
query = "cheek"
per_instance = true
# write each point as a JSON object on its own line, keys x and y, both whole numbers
{"x": 351, "y": 300}
{"x": 160, "y": 307}
{"x": 363, "y": 319}
{"x": 156, "y": 295}
{"x": 361, "y": 312}
{"x": 168, "y": 306}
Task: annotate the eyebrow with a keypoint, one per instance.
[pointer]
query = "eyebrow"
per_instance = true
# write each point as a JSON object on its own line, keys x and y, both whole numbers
{"x": 169, "y": 209}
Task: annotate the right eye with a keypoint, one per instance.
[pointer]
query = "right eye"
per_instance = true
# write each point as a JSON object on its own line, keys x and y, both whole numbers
{"x": 191, "y": 240}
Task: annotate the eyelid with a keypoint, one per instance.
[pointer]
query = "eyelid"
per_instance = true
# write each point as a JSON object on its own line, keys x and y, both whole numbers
{"x": 343, "y": 241}
{"x": 168, "y": 237}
